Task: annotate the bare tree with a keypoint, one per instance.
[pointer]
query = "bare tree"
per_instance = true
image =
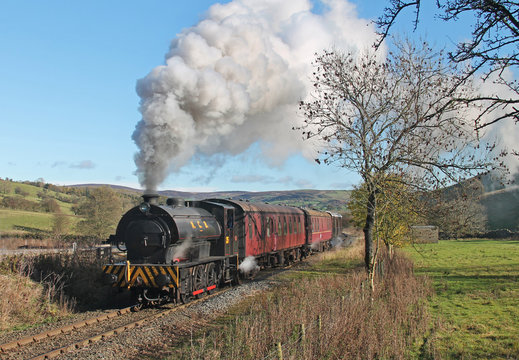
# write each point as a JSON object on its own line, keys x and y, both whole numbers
{"x": 457, "y": 211}
{"x": 391, "y": 119}
{"x": 493, "y": 48}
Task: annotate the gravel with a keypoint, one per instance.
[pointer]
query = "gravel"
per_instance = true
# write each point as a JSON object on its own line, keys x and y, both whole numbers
{"x": 155, "y": 336}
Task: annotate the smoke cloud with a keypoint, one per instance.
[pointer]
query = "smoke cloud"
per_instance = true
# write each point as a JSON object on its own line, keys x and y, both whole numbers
{"x": 504, "y": 133}
{"x": 236, "y": 78}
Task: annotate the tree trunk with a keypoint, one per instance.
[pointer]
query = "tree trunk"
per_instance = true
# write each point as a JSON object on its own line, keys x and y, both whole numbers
{"x": 368, "y": 237}
{"x": 390, "y": 250}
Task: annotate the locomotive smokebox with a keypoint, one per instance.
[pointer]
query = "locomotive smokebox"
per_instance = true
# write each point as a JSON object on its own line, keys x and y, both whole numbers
{"x": 151, "y": 198}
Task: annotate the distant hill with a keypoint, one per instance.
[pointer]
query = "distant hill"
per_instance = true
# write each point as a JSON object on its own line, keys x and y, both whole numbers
{"x": 502, "y": 208}
{"x": 334, "y": 200}
{"x": 500, "y": 199}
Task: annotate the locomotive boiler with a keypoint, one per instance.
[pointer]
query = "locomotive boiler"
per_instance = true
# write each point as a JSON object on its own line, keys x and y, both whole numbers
{"x": 182, "y": 249}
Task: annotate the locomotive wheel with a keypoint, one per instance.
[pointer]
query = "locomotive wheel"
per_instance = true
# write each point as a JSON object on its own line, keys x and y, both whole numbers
{"x": 185, "y": 290}
{"x": 199, "y": 280}
{"x": 211, "y": 276}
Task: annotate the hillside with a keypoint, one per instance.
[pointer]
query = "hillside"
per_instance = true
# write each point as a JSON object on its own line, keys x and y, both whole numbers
{"x": 334, "y": 200}
{"x": 31, "y": 207}
{"x": 502, "y": 208}
{"x": 499, "y": 198}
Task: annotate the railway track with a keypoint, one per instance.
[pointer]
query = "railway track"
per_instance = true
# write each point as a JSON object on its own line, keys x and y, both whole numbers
{"x": 53, "y": 343}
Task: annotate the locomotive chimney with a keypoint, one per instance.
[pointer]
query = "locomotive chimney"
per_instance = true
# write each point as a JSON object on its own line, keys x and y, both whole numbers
{"x": 175, "y": 202}
{"x": 151, "y": 198}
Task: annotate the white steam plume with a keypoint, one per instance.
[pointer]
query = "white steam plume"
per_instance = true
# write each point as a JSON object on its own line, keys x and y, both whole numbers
{"x": 248, "y": 265}
{"x": 505, "y": 132}
{"x": 236, "y": 78}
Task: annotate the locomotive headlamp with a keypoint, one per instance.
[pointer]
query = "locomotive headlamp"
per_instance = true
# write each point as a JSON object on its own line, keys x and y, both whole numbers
{"x": 144, "y": 207}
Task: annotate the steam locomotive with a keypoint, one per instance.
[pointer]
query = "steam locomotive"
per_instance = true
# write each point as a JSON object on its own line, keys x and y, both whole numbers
{"x": 182, "y": 249}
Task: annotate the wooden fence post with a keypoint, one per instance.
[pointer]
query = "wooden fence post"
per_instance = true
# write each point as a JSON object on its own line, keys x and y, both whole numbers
{"x": 280, "y": 351}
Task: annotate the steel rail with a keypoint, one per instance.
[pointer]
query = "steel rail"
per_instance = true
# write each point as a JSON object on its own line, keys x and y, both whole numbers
{"x": 80, "y": 344}
{"x": 63, "y": 330}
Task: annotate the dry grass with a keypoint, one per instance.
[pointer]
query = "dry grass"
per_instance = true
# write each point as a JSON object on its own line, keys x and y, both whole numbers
{"x": 340, "y": 317}
{"x": 46, "y": 287}
{"x": 25, "y": 302}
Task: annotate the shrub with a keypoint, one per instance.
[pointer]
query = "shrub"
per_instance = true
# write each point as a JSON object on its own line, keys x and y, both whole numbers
{"x": 17, "y": 203}
{"x": 20, "y": 191}
{"x": 49, "y": 205}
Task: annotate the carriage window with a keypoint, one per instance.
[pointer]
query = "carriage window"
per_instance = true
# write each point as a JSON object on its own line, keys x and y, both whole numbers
{"x": 285, "y": 225}
{"x": 268, "y": 226}
{"x": 250, "y": 229}
{"x": 280, "y": 230}
{"x": 290, "y": 225}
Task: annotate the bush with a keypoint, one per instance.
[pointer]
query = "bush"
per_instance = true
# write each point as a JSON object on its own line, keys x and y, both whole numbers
{"x": 49, "y": 205}
{"x": 16, "y": 203}
{"x": 69, "y": 281}
{"x": 20, "y": 191}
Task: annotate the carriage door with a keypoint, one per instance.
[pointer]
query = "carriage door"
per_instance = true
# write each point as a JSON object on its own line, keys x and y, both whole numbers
{"x": 231, "y": 240}
{"x": 271, "y": 239}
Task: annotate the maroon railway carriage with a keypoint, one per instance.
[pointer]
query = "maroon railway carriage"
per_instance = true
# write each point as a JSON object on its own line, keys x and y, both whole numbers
{"x": 273, "y": 234}
{"x": 336, "y": 224}
{"x": 319, "y": 229}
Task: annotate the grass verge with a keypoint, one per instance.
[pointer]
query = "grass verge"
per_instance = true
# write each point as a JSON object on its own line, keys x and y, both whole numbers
{"x": 322, "y": 312}
{"x": 477, "y": 292}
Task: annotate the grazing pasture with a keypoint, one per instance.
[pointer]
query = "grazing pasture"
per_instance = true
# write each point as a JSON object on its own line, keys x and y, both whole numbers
{"x": 475, "y": 308}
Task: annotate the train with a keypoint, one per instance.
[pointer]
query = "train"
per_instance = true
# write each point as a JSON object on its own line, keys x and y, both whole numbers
{"x": 181, "y": 250}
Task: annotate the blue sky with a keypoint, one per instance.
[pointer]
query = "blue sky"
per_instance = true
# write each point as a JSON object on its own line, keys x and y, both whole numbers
{"x": 68, "y": 72}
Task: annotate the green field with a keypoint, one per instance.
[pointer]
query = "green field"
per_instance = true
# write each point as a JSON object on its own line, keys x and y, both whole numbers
{"x": 477, "y": 297}
{"x": 13, "y": 219}
{"x": 28, "y": 220}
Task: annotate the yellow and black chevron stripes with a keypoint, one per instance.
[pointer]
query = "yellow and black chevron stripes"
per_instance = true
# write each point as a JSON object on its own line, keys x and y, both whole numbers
{"x": 128, "y": 274}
